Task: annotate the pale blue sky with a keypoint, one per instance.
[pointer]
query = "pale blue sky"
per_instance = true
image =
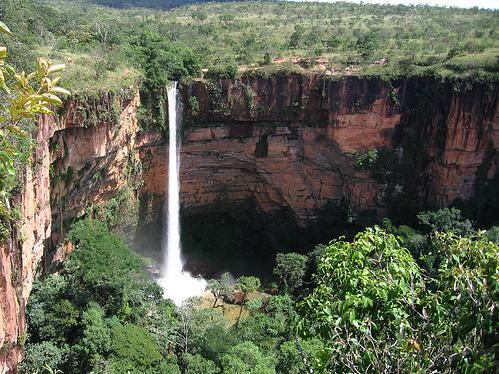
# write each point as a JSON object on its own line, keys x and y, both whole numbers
{"x": 457, "y": 3}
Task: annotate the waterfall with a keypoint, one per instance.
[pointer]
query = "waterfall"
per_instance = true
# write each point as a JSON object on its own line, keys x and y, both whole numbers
{"x": 177, "y": 284}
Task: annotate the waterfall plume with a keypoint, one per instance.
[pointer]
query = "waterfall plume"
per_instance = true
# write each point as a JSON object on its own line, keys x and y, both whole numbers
{"x": 177, "y": 284}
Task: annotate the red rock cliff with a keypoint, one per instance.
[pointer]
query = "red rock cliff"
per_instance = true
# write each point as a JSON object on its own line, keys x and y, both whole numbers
{"x": 107, "y": 142}
{"x": 291, "y": 141}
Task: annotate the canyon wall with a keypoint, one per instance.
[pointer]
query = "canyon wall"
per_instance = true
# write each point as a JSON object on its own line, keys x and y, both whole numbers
{"x": 294, "y": 141}
{"x": 63, "y": 142}
{"x": 292, "y": 146}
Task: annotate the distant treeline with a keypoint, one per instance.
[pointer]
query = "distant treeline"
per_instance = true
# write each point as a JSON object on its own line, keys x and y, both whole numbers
{"x": 157, "y": 4}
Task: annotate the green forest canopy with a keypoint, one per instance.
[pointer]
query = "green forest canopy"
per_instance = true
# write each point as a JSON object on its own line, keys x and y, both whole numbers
{"x": 95, "y": 42}
{"x": 393, "y": 299}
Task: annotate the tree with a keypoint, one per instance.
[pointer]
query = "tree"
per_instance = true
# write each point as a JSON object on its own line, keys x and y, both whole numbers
{"x": 301, "y": 356}
{"x": 367, "y": 43}
{"x": 96, "y": 341}
{"x": 247, "y": 358}
{"x": 462, "y": 332}
{"x": 366, "y": 292}
{"x": 133, "y": 349}
{"x": 446, "y": 220}
{"x": 199, "y": 15}
{"x": 220, "y": 288}
{"x": 493, "y": 234}
{"x": 197, "y": 364}
{"x": 39, "y": 356}
{"x": 246, "y": 285}
{"x": 89, "y": 267}
{"x": 161, "y": 60}
{"x": 222, "y": 71}
{"x": 22, "y": 97}
{"x": 290, "y": 269}
{"x": 51, "y": 315}
{"x": 268, "y": 326}
{"x": 295, "y": 38}
{"x": 87, "y": 307}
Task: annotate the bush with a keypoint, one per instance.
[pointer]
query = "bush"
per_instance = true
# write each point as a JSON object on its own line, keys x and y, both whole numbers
{"x": 366, "y": 160}
{"x": 227, "y": 71}
{"x": 290, "y": 269}
{"x": 133, "y": 349}
{"x": 446, "y": 220}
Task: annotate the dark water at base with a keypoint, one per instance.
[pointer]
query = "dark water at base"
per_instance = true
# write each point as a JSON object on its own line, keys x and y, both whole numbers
{"x": 241, "y": 242}
{"x": 213, "y": 246}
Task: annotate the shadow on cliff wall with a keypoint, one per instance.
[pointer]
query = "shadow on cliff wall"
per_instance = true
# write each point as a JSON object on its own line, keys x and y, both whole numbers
{"x": 242, "y": 240}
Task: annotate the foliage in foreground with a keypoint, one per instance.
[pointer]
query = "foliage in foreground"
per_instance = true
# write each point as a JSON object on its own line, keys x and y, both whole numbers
{"x": 378, "y": 310}
{"x": 23, "y": 96}
{"x": 371, "y": 305}
{"x": 101, "y": 312}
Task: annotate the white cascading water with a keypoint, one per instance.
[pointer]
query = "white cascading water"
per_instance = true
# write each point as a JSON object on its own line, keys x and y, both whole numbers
{"x": 177, "y": 284}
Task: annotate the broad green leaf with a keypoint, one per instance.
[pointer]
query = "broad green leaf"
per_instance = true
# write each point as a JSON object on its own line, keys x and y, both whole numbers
{"x": 60, "y": 90}
{"x": 4, "y": 28}
{"x": 52, "y": 99}
{"x": 56, "y": 68}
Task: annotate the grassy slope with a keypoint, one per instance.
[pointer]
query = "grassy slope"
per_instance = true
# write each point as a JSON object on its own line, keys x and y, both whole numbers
{"x": 412, "y": 39}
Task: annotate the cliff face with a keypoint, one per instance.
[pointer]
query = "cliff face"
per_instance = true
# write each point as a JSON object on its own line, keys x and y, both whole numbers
{"x": 283, "y": 146}
{"x": 20, "y": 255}
{"x": 90, "y": 163}
{"x": 291, "y": 141}
{"x": 62, "y": 143}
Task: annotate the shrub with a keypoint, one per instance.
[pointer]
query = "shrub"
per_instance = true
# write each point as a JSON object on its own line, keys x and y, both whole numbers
{"x": 290, "y": 269}
{"x": 194, "y": 105}
{"x": 226, "y": 71}
{"x": 133, "y": 349}
{"x": 446, "y": 220}
{"x": 366, "y": 160}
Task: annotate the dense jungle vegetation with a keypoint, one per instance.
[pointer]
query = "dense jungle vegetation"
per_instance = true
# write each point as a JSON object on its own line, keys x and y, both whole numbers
{"x": 394, "y": 299}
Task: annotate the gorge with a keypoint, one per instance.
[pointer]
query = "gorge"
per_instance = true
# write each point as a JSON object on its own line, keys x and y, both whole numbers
{"x": 285, "y": 148}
